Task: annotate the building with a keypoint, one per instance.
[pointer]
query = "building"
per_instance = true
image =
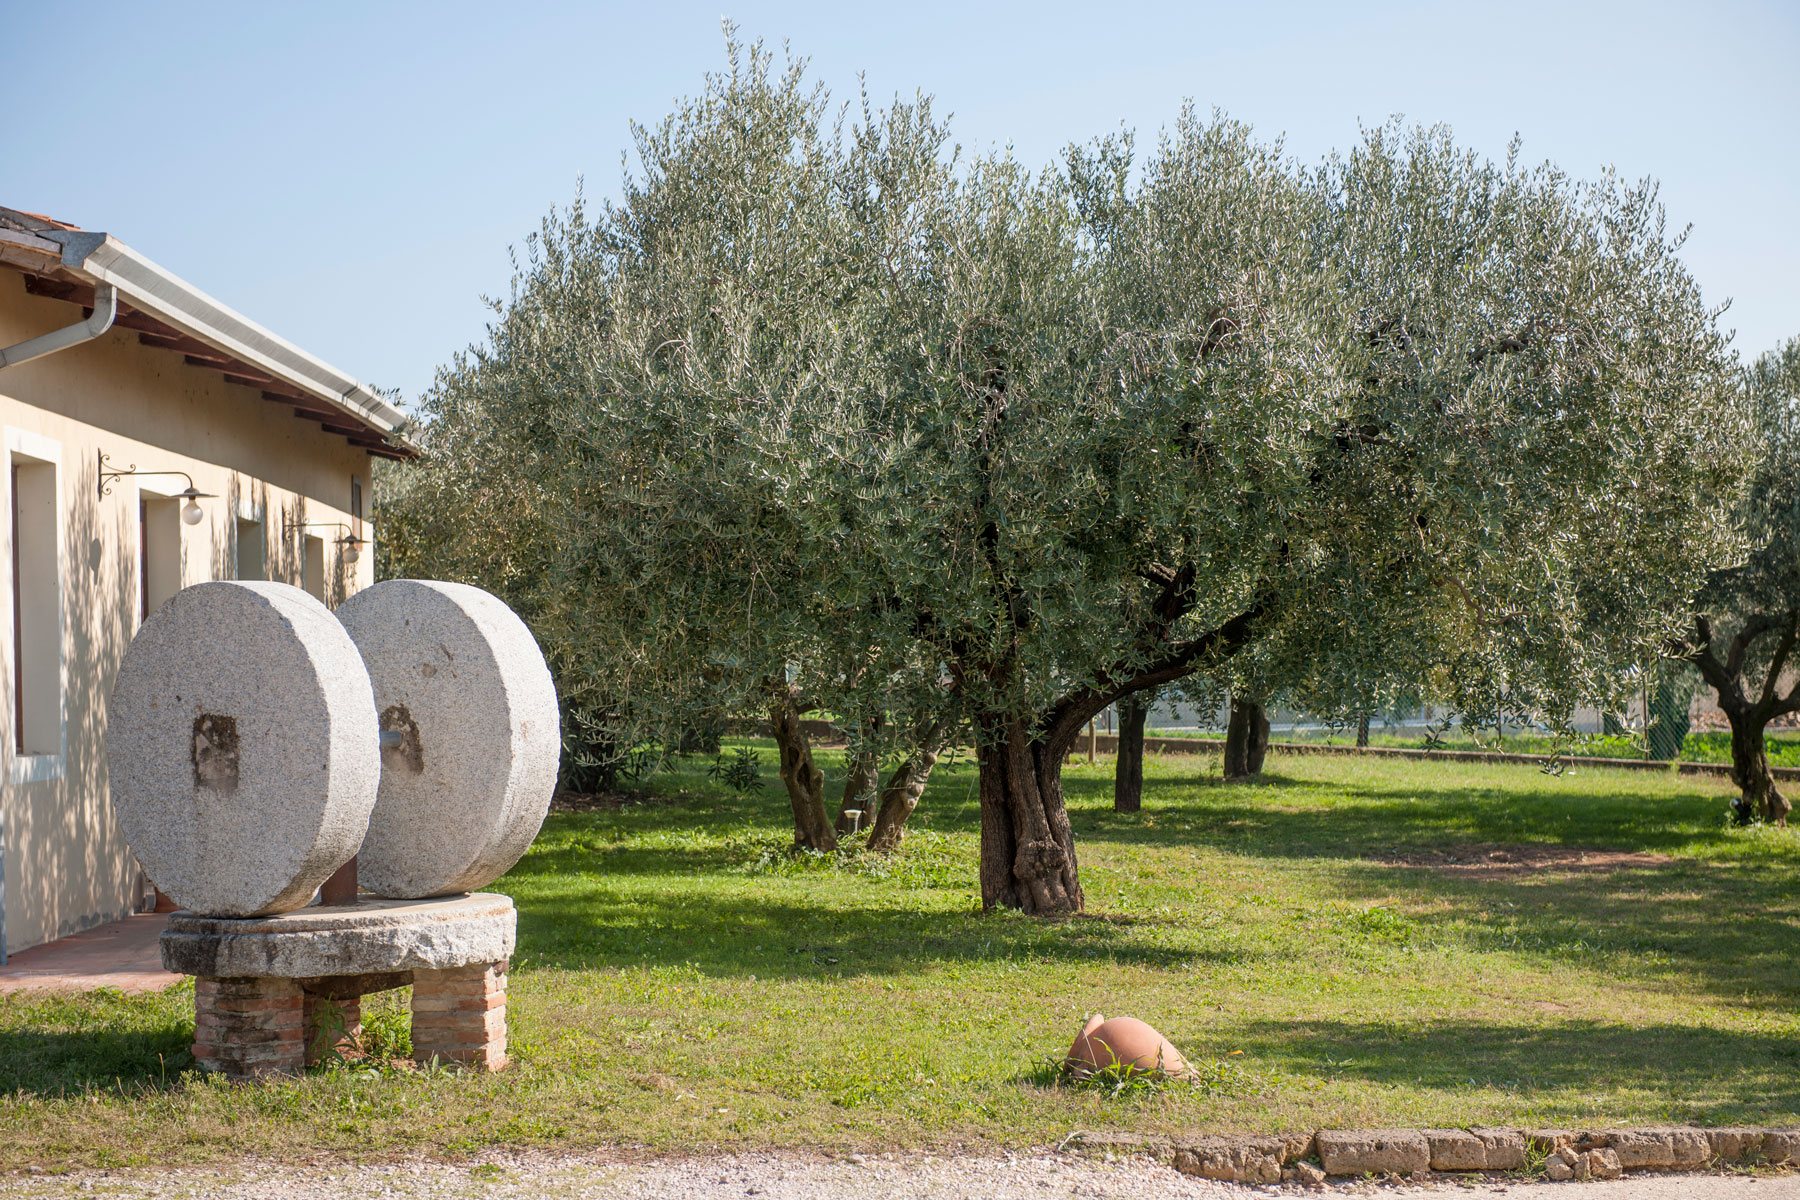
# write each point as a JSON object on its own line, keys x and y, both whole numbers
{"x": 154, "y": 439}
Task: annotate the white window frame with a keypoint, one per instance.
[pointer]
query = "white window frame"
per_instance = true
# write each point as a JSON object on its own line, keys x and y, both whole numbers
{"x": 155, "y": 491}
{"x": 36, "y": 768}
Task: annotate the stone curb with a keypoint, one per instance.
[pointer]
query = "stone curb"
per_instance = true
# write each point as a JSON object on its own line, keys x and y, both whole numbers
{"x": 1559, "y": 1153}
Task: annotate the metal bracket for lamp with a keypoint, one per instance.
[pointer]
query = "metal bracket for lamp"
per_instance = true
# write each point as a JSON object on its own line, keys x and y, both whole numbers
{"x": 190, "y": 512}
{"x": 351, "y": 545}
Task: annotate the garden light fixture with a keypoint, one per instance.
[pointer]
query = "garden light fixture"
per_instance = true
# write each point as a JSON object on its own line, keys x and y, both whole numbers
{"x": 190, "y": 512}
{"x": 350, "y": 545}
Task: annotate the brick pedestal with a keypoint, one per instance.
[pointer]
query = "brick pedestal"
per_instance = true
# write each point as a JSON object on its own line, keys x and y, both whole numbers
{"x": 276, "y": 994}
{"x": 459, "y": 1015}
{"x": 246, "y": 1028}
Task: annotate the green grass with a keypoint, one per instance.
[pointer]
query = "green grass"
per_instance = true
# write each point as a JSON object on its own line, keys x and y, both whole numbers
{"x": 683, "y": 981}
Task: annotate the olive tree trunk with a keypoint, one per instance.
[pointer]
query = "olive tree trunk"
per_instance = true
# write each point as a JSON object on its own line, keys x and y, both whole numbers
{"x": 899, "y": 796}
{"x": 1750, "y": 770}
{"x": 1750, "y": 709}
{"x": 1128, "y": 771}
{"x": 805, "y": 782}
{"x": 859, "y": 793}
{"x": 1246, "y": 738}
{"x": 1027, "y": 849}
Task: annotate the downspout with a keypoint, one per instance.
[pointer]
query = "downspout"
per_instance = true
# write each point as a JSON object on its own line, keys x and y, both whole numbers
{"x": 106, "y": 307}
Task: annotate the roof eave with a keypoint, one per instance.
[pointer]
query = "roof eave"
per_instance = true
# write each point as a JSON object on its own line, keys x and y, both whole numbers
{"x": 102, "y": 258}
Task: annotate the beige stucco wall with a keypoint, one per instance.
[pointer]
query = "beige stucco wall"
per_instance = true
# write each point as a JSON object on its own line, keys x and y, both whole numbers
{"x": 66, "y": 866}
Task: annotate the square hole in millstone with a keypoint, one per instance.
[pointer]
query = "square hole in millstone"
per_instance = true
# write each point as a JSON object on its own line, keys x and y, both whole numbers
{"x": 216, "y": 752}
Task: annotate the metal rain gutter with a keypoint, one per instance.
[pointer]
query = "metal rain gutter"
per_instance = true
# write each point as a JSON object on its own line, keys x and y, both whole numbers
{"x": 106, "y": 308}
{"x": 154, "y": 291}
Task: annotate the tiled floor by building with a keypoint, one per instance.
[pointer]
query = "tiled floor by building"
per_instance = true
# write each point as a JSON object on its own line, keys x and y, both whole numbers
{"x": 122, "y": 955}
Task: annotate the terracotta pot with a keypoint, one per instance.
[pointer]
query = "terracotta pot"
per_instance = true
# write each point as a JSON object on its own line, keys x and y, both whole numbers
{"x": 1123, "y": 1040}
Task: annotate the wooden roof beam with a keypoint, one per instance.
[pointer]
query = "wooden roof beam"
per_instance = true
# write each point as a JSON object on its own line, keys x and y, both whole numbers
{"x": 183, "y": 344}
{"x": 381, "y": 450}
{"x": 57, "y": 289}
{"x": 332, "y": 423}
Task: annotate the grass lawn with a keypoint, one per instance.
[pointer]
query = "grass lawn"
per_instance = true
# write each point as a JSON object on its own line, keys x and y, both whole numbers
{"x": 1333, "y": 945}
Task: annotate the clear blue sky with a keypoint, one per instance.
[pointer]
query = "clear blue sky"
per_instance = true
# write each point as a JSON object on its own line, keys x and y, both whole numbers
{"x": 351, "y": 174}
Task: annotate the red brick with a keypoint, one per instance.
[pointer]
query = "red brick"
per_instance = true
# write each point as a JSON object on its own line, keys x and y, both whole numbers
{"x": 488, "y": 1019}
{"x": 439, "y": 1002}
{"x": 268, "y": 1018}
{"x": 258, "y": 1037}
{"x": 246, "y": 1028}
{"x": 454, "y": 974}
{"x": 459, "y": 1016}
{"x": 245, "y": 989}
{"x": 248, "y": 1065}
{"x": 263, "y": 1004}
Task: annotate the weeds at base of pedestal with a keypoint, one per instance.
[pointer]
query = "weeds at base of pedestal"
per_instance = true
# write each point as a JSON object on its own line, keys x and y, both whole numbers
{"x": 387, "y": 1025}
{"x": 384, "y": 1043}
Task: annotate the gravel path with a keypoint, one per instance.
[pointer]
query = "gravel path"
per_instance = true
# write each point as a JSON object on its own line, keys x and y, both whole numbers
{"x": 787, "y": 1176}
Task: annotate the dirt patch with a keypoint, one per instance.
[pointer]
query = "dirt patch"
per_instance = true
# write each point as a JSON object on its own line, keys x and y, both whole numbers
{"x": 1486, "y": 861}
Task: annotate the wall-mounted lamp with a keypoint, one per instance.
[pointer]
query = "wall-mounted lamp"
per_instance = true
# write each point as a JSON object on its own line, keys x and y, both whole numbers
{"x": 190, "y": 512}
{"x": 349, "y": 545}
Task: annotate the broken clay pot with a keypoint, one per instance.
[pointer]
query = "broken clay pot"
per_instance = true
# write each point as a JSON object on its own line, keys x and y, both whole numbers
{"x": 1123, "y": 1041}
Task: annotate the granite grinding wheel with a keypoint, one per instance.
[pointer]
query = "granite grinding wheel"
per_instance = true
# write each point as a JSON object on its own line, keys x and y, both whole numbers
{"x": 242, "y": 747}
{"x": 462, "y": 681}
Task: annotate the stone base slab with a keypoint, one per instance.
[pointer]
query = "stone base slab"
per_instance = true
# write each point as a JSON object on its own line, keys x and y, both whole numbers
{"x": 371, "y": 937}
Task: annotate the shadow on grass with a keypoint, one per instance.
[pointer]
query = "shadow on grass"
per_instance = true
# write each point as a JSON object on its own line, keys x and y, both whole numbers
{"x": 773, "y": 939}
{"x": 61, "y": 1064}
{"x": 1715, "y": 1076}
{"x": 1285, "y": 817}
{"x": 628, "y": 888}
{"x": 1731, "y": 930}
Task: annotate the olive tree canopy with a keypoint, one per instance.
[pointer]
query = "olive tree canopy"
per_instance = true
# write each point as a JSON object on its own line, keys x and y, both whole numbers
{"x": 821, "y": 411}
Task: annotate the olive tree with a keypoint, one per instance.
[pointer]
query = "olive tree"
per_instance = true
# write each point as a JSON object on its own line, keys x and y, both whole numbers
{"x": 1239, "y": 399}
{"x": 822, "y": 415}
{"x": 1747, "y": 619}
{"x": 1488, "y": 495}
{"x": 657, "y": 449}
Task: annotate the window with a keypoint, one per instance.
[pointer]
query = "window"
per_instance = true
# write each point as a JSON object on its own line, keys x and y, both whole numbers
{"x": 312, "y": 568}
{"x": 159, "y": 551}
{"x": 37, "y": 683}
{"x": 250, "y": 550}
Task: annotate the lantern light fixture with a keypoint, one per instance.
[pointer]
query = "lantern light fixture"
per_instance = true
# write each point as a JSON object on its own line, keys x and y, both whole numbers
{"x": 190, "y": 512}
{"x": 350, "y": 545}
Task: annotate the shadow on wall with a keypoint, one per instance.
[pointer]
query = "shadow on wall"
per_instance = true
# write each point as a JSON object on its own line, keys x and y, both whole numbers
{"x": 283, "y": 530}
{"x": 67, "y": 864}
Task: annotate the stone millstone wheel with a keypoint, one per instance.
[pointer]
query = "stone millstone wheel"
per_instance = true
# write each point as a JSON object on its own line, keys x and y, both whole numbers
{"x": 462, "y": 681}
{"x": 242, "y": 747}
